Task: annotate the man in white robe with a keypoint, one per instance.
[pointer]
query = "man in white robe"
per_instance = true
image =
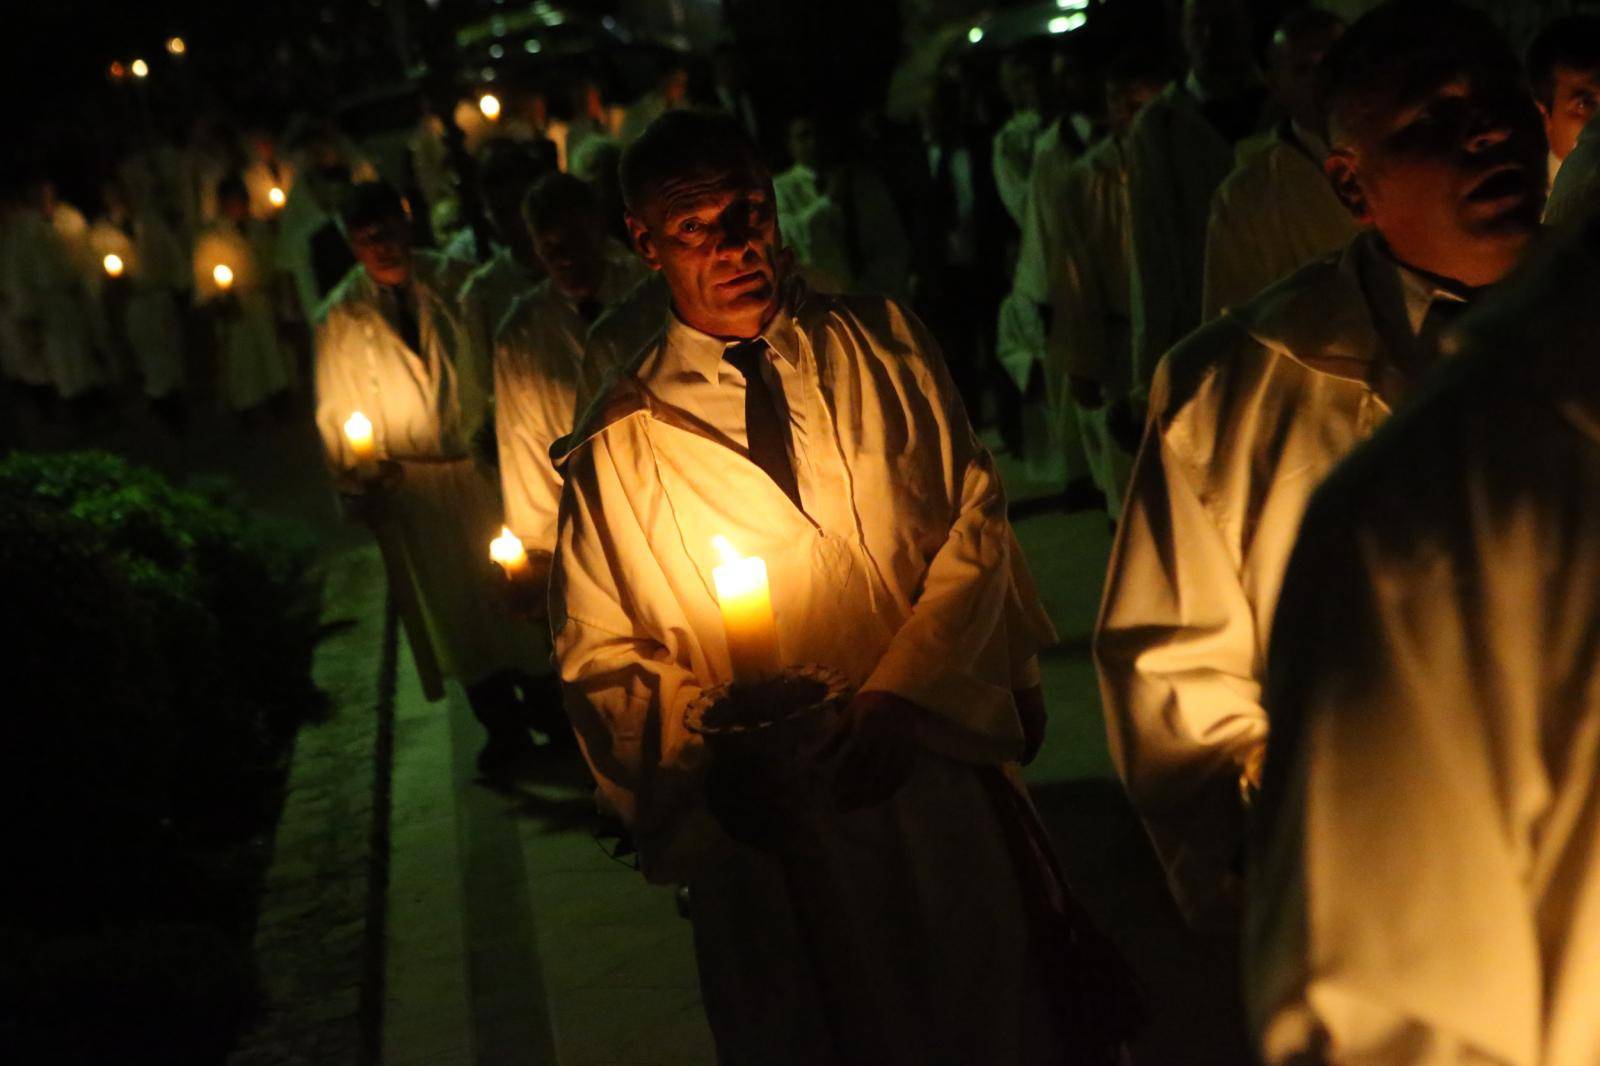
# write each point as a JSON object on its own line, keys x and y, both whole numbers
{"x": 253, "y": 367}
{"x": 1179, "y": 151}
{"x": 1424, "y": 882}
{"x": 506, "y": 173}
{"x": 1088, "y": 352}
{"x": 821, "y": 434}
{"x": 1437, "y": 151}
{"x": 57, "y": 277}
{"x": 1015, "y": 142}
{"x": 1564, "y": 66}
{"x": 393, "y": 344}
{"x": 1276, "y": 211}
{"x": 539, "y": 353}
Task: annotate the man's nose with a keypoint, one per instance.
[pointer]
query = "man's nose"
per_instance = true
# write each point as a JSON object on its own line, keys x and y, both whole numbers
{"x": 1490, "y": 124}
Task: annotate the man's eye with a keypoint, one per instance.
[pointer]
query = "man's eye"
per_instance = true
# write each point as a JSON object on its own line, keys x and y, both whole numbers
{"x": 689, "y": 226}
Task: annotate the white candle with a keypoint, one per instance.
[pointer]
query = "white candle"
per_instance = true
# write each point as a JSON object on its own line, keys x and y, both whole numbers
{"x": 113, "y": 264}
{"x": 507, "y": 550}
{"x": 358, "y": 431}
{"x": 222, "y": 274}
{"x": 746, "y": 602}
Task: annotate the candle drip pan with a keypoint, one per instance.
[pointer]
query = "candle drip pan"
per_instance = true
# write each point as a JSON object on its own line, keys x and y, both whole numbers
{"x": 767, "y": 741}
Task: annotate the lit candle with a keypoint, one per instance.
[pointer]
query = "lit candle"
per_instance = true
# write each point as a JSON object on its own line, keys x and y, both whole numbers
{"x": 507, "y": 550}
{"x": 222, "y": 274}
{"x": 746, "y": 603}
{"x": 275, "y": 196}
{"x": 489, "y": 104}
{"x": 176, "y": 46}
{"x": 113, "y": 264}
{"x": 140, "y": 68}
{"x": 358, "y": 431}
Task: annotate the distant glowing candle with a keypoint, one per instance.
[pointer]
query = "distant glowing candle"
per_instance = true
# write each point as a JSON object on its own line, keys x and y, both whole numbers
{"x": 489, "y": 104}
{"x": 358, "y": 431}
{"x": 222, "y": 274}
{"x": 275, "y": 196}
{"x": 507, "y": 550}
{"x": 140, "y": 68}
{"x": 113, "y": 264}
{"x": 746, "y": 602}
{"x": 176, "y": 46}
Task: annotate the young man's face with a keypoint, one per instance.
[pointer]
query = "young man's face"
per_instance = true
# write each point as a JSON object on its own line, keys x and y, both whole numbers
{"x": 714, "y": 236}
{"x": 1573, "y": 99}
{"x": 384, "y": 250}
{"x": 1451, "y": 172}
{"x": 571, "y": 253}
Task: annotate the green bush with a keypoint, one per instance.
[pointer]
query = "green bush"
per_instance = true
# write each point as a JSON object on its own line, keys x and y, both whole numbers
{"x": 159, "y": 665}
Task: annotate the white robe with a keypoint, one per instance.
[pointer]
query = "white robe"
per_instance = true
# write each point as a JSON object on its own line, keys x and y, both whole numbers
{"x": 881, "y": 259}
{"x": 1246, "y": 417}
{"x": 157, "y": 273}
{"x": 259, "y": 181}
{"x": 252, "y": 366}
{"x": 1176, "y": 160}
{"x": 1274, "y": 213}
{"x": 490, "y": 292}
{"x": 901, "y": 574}
{"x": 61, "y": 271}
{"x": 1089, "y": 334}
{"x": 425, "y": 409}
{"x": 1011, "y": 156}
{"x": 1425, "y": 885}
{"x": 538, "y": 363}
{"x": 21, "y": 344}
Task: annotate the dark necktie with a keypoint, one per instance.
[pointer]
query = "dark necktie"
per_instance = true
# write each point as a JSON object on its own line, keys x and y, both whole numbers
{"x": 589, "y": 310}
{"x": 406, "y": 312}
{"x": 766, "y": 432}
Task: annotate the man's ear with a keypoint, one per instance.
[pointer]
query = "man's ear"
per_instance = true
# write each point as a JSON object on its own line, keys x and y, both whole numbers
{"x": 644, "y": 245}
{"x": 1342, "y": 171}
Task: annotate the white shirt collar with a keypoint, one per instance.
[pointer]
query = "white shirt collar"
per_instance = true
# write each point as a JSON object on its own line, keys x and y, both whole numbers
{"x": 702, "y": 353}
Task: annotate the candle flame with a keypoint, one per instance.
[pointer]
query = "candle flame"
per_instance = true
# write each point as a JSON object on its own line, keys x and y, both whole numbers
{"x": 275, "y": 196}
{"x": 177, "y": 46}
{"x": 358, "y": 427}
{"x": 507, "y": 548}
{"x": 113, "y": 264}
{"x": 489, "y": 104}
{"x": 140, "y": 68}
{"x": 222, "y": 274}
{"x": 726, "y": 550}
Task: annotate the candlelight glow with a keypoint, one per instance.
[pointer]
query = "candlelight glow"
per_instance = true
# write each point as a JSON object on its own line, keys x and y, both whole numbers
{"x": 489, "y": 104}
{"x": 507, "y": 550}
{"x": 275, "y": 196}
{"x": 176, "y": 46}
{"x": 746, "y": 602}
{"x": 113, "y": 264}
{"x": 140, "y": 68}
{"x": 358, "y": 431}
{"x": 222, "y": 274}
{"x": 118, "y": 70}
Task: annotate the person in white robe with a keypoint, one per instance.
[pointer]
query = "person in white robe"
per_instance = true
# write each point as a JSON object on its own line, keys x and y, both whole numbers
{"x": 539, "y": 352}
{"x": 1179, "y": 151}
{"x": 1088, "y": 349}
{"x": 21, "y": 346}
{"x": 1276, "y": 211}
{"x": 1564, "y": 66}
{"x": 796, "y": 188}
{"x": 882, "y": 525}
{"x": 55, "y": 284}
{"x": 1016, "y": 141}
{"x": 393, "y": 344}
{"x": 155, "y": 275}
{"x": 1249, "y": 413}
{"x": 265, "y": 171}
{"x": 508, "y": 170}
{"x": 233, "y": 280}
{"x": 1424, "y": 883}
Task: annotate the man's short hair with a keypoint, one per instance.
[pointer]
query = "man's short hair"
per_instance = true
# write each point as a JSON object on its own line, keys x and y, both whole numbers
{"x": 1572, "y": 42}
{"x": 683, "y": 143}
{"x": 367, "y": 203}
{"x": 1138, "y": 66}
{"x": 1404, "y": 46}
{"x": 555, "y": 198}
{"x": 1306, "y": 22}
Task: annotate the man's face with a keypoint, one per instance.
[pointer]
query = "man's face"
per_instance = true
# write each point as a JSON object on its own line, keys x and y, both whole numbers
{"x": 384, "y": 250}
{"x": 714, "y": 236}
{"x": 1216, "y": 36}
{"x": 571, "y": 253}
{"x": 1124, "y": 102}
{"x": 1573, "y": 101}
{"x": 1292, "y": 73}
{"x": 1452, "y": 175}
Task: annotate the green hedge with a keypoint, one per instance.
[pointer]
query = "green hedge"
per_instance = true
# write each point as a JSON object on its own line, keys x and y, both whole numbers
{"x": 156, "y": 666}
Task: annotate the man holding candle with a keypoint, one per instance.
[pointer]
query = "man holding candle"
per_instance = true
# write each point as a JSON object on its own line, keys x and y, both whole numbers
{"x": 393, "y": 345}
{"x": 820, "y": 435}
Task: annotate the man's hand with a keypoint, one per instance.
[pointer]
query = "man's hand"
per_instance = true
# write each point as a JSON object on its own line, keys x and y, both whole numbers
{"x": 528, "y": 597}
{"x": 879, "y": 745}
{"x": 1030, "y": 711}
{"x": 366, "y": 500}
{"x": 1086, "y": 393}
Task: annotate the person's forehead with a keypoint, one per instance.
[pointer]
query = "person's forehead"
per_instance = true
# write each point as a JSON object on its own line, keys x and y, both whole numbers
{"x": 1575, "y": 79}
{"x": 710, "y": 188}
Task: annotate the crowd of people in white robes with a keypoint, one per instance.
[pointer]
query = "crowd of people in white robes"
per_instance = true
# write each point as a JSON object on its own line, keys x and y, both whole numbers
{"x": 1310, "y": 322}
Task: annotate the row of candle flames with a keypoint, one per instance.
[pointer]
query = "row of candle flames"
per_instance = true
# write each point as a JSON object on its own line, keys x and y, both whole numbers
{"x": 222, "y": 273}
{"x": 743, "y": 592}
